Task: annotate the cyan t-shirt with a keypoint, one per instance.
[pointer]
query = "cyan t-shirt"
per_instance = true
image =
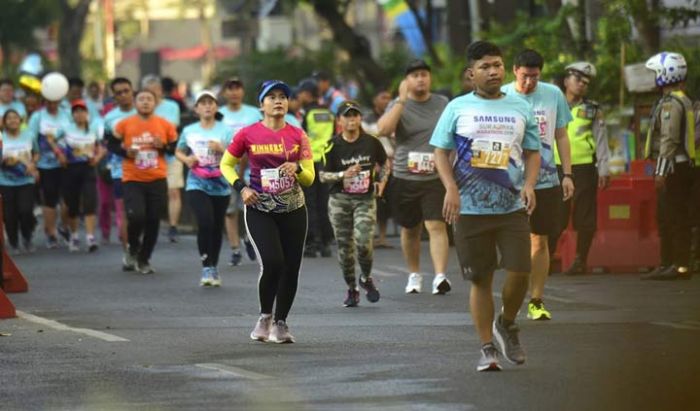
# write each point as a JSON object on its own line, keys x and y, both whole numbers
{"x": 16, "y": 105}
{"x": 78, "y": 144}
{"x": 40, "y": 125}
{"x": 110, "y": 123}
{"x": 489, "y": 137}
{"x": 16, "y": 148}
{"x": 196, "y": 138}
{"x": 551, "y": 112}
{"x": 236, "y": 120}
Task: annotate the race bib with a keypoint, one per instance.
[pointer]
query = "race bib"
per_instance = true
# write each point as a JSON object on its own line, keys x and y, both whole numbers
{"x": 421, "y": 163}
{"x": 542, "y": 125}
{"x": 273, "y": 182}
{"x": 146, "y": 159}
{"x": 81, "y": 145}
{"x": 17, "y": 152}
{"x": 205, "y": 156}
{"x": 490, "y": 154}
{"x": 358, "y": 184}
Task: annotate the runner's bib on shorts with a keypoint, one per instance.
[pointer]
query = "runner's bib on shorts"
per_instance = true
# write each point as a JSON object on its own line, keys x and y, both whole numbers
{"x": 490, "y": 153}
{"x": 420, "y": 163}
{"x": 274, "y": 182}
{"x": 358, "y": 184}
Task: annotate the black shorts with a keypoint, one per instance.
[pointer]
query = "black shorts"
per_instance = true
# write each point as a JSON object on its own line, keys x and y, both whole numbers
{"x": 417, "y": 201}
{"x": 50, "y": 186}
{"x": 79, "y": 189}
{"x": 545, "y": 219}
{"x": 479, "y": 238}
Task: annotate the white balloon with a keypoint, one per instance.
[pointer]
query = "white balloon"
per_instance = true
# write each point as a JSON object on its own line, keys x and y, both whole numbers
{"x": 54, "y": 86}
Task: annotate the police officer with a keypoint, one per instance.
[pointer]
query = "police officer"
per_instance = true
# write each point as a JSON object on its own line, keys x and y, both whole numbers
{"x": 319, "y": 123}
{"x": 671, "y": 141}
{"x": 589, "y": 158}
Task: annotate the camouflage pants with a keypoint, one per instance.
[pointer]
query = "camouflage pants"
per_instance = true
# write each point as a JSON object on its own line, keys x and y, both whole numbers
{"x": 353, "y": 220}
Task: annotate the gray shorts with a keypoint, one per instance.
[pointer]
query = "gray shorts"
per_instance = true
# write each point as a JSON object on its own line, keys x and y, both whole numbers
{"x": 480, "y": 238}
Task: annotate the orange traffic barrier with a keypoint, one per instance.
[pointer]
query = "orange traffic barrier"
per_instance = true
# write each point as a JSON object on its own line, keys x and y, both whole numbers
{"x": 12, "y": 280}
{"x": 626, "y": 239}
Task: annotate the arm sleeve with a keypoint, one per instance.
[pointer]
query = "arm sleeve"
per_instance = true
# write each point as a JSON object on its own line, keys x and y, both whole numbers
{"x": 443, "y": 135}
{"x": 307, "y": 174}
{"x": 228, "y": 167}
{"x": 602, "y": 149}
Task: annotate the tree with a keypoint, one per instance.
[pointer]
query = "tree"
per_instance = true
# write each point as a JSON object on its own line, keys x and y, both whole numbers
{"x": 70, "y": 34}
{"x": 355, "y": 44}
{"x": 18, "y": 20}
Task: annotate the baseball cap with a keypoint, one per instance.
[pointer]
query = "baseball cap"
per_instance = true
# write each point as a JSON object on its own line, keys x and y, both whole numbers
{"x": 346, "y": 106}
{"x": 205, "y": 93}
{"x": 416, "y": 64}
{"x": 79, "y": 103}
{"x": 270, "y": 85}
{"x": 233, "y": 80}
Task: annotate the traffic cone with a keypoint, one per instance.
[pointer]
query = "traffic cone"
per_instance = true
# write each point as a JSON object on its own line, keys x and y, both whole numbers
{"x": 13, "y": 280}
{"x": 7, "y": 309}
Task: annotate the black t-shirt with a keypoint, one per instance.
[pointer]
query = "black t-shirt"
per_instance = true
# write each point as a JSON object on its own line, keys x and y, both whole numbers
{"x": 367, "y": 151}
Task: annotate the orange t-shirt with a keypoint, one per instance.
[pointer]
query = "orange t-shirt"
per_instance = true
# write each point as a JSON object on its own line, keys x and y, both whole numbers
{"x": 139, "y": 133}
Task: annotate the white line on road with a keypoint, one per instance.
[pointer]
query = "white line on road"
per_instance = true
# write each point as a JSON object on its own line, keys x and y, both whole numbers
{"x": 678, "y": 326}
{"x": 382, "y": 273}
{"x": 62, "y": 327}
{"x": 235, "y": 371}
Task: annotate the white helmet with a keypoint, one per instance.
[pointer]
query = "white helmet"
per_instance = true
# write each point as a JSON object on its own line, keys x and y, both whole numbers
{"x": 583, "y": 67}
{"x": 670, "y": 68}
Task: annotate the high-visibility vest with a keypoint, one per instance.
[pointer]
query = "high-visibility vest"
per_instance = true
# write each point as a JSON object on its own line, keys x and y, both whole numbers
{"x": 580, "y": 131}
{"x": 688, "y": 124}
{"x": 320, "y": 126}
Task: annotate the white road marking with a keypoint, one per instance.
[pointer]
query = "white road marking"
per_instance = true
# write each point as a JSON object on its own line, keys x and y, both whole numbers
{"x": 383, "y": 273}
{"x": 678, "y": 326}
{"x": 62, "y": 327}
{"x": 235, "y": 371}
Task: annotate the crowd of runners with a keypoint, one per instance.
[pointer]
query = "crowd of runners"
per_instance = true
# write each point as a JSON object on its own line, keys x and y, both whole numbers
{"x": 506, "y": 166}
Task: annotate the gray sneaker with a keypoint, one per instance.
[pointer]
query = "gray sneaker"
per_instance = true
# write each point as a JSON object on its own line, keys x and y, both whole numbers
{"x": 261, "y": 332}
{"x": 507, "y": 338}
{"x": 280, "y": 333}
{"x": 144, "y": 268}
{"x": 128, "y": 262}
{"x": 489, "y": 360}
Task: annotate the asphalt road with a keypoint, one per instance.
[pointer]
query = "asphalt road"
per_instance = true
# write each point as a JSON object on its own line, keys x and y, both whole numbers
{"x": 91, "y": 337}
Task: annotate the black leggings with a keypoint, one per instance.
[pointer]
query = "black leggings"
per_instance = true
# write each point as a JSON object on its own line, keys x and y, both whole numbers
{"x": 80, "y": 188}
{"x": 18, "y": 209}
{"x": 210, "y": 212}
{"x": 145, "y": 205}
{"x": 278, "y": 239}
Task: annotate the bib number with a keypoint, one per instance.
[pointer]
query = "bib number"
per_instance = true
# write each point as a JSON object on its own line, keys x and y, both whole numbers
{"x": 358, "y": 184}
{"x": 16, "y": 153}
{"x": 146, "y": 159}
{"x": 490, "y": 154}
{"x": 273, "y": 182}
{"x": 421, "y": 163}
{"x": 205, "y": 156}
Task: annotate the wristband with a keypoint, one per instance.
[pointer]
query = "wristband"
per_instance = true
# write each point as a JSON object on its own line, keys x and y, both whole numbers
{"x": 239, "y": 185}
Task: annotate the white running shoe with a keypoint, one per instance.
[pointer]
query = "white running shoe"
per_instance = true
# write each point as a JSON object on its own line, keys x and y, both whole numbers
{"x": 415, "y": 284}
{"x": 261, "y": 332}
{"x": 441, "y": 285}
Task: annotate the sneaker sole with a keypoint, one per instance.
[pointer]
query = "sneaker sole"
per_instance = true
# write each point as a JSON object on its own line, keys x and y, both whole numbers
{"x": 373, "y": 296}
{"x": 413, "y": 291}
{"x": 258, "y": 338}
{"x": 494, "y": 366}
{"x": 285, "y": 341}
{"x": 542, "y": 317}
{"x": 443, "y": 288}
{"x": 502, "y": 346}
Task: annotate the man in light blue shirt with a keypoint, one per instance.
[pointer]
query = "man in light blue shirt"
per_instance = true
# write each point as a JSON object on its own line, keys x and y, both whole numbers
{"x": 8, "y": 101}
{"x": 553, "y": 116}
{"x": 170, "y": 111}
{"x": 490, "y": 191}
{"x": 237, "y": 115}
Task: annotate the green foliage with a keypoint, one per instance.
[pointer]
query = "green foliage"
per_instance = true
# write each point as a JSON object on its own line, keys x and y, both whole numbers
{"x": 18, "y": 20}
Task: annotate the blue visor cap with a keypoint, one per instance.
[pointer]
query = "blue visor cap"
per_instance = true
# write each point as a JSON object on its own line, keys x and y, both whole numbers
{"x": 270, "y": 85}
